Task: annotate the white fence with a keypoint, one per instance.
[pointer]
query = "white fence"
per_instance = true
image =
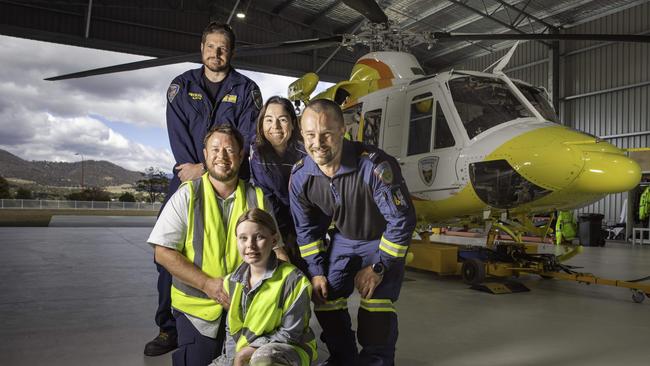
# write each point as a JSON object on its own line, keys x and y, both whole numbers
{"x": 78, "y": 205}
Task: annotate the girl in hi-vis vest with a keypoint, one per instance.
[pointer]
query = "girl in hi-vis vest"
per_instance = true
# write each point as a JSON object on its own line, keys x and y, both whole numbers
{"x": 268, "y": 318}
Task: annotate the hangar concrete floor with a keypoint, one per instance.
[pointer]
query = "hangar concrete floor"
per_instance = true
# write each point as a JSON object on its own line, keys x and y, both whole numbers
{"x": 86, "y": 296}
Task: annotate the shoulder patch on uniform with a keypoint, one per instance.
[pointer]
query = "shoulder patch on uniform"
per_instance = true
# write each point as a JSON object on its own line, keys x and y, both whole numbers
{"x": 257, "y": 98}
{"x": 384, "y": 172}
{"x": 172, "y": 91}
{"x": 398, "y": 198}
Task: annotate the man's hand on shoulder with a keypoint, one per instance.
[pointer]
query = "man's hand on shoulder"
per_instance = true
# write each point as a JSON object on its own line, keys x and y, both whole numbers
{"x": 319, "y": 286}
{"x": 189, "y": 171}
{"x": 213, "y": 287}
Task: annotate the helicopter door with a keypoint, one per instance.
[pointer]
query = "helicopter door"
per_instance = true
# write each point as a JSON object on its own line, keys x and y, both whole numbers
{"x": 392, "y": 126}
{"x": 428, "y": 154}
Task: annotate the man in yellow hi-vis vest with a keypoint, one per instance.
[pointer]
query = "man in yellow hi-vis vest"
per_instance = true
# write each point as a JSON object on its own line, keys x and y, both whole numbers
{"x": 194, "y": 239}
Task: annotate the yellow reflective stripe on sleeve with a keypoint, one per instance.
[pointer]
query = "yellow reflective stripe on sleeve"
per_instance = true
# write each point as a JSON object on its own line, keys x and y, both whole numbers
{"x": 337, "y": 304}
{"x": 312, "y": 248}
{"x": 396, "y": 250}
{"x": 377, "y": 305}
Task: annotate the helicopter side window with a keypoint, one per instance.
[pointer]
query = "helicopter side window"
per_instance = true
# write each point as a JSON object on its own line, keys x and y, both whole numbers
{"x": 443, "y": 136}
{"x": 420, "y": 124}
{"x": 483, "y": 103}
{"x": 371, "y": 125}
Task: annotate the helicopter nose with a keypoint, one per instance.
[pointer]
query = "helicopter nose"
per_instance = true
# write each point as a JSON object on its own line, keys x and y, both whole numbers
{"x": 558, "y": 158}
{"x": 605, "y": 172}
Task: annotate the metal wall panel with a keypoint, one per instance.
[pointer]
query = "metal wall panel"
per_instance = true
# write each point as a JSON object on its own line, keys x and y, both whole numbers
{"x": 594, "y": 67}
{"x": 614, "y": 65}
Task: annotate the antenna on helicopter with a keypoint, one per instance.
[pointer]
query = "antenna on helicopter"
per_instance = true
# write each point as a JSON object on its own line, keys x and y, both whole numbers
{"x": 503, "y": 61}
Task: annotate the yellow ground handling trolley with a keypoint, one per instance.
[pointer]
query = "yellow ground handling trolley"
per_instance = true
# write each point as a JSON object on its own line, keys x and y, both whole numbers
{"x": 476, "y": 259}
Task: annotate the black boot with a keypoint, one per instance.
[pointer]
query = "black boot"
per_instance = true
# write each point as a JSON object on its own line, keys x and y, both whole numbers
{"x": 160, "y": 345}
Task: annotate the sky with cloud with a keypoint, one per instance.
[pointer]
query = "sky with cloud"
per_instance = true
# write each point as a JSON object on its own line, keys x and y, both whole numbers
{"x": 118, "y": 117}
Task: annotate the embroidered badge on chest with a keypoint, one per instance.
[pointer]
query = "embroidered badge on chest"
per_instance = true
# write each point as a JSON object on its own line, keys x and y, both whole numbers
{"x": 229, "y": 98}
{"x": 195, "y": 96}
{"x": 172, "y": 91}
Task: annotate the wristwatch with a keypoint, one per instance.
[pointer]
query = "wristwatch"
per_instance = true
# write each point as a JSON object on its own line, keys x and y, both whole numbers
{"x": 378, "y": 268}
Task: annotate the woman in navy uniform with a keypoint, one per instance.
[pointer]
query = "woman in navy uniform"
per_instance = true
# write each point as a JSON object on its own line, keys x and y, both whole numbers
{"x": 277, "y": 148}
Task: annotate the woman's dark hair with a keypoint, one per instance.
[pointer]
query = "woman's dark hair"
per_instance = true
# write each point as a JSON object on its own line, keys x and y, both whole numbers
{"x": 259, "y": 217}
{"x": 263, "y": 145}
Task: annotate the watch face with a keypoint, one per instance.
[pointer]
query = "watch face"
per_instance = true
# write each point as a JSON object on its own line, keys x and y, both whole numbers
{"x": 378, "y": 268}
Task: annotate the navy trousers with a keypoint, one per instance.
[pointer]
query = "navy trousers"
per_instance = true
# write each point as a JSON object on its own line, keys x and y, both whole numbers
{"x": 164, "y": 318}
{"x": 377, "y": 319}
{"x": 195, "y": 349}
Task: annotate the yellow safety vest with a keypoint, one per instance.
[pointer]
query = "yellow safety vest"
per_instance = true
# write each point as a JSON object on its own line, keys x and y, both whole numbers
{"x": 208, "y": 245}
{"x": 644, "y": 204}
{"x": 264, "y": 315}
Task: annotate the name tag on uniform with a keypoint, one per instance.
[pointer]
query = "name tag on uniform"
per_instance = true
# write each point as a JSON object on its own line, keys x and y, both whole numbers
{"x": 229, "y": 98}
{"x": 196, "y": 96}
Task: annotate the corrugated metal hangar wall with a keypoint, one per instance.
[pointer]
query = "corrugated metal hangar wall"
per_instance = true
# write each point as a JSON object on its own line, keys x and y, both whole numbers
{"x": 604, "y": 86}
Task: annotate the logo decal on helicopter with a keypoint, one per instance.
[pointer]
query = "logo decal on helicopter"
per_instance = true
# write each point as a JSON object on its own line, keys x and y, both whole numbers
{"x": 428, "y": 167}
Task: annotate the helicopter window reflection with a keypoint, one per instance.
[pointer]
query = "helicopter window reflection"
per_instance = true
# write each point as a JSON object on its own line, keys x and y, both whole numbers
{"x": 537, "y": 97}
{"x": 443, "y": 136}
{"x": 420, "y": 125}
{"x": 483, "y": 103}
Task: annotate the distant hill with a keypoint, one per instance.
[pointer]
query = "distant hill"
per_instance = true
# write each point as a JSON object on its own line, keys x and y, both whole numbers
{"x": 96, "y": 173}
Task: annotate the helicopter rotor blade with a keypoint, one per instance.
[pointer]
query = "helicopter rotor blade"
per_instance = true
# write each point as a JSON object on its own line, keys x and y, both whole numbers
{"x": 191, "y": 57}
{"x": 243, "y": 51}
{"x": 445, "y": 36}
{"x": 369, "y": 9}
{"x": 288, "y": 46}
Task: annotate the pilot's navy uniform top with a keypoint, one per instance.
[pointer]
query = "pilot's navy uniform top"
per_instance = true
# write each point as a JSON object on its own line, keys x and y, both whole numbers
{"x": 191, "y": 113}
{"x": 271, "y": 173}
{"x": 367, "y": 199}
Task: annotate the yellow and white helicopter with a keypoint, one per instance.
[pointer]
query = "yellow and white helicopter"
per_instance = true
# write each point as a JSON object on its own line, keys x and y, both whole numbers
{"x": 471, "y": 142}
{"x": 472, "y": 145}
{"x": 478, "y": 145}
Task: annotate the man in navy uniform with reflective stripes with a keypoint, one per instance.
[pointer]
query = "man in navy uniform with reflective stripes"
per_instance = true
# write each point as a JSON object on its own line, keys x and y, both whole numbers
{"x": 359, "y": 189}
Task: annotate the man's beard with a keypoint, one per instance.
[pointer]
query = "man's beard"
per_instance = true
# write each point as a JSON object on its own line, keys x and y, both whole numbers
{"x": 223, "y": 177}
{"x": 322, "y": 159}
{"x": 217, "y": 68}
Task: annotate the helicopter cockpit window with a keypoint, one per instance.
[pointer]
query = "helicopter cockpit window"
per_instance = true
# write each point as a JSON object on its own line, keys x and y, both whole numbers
{"x": 420, "y": 124}
{"x": 443, "y": 136}
{"x": 483, "y": 103}
{"x": 371, "y": 125}
{"x": 352, "y": 120}
{"x": 417, "y": 71}
{"x": 537, "y": 97}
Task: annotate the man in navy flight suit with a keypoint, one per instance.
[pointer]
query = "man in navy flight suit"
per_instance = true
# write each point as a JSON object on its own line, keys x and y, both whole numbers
{"x": 359, "y": 189}
{"x": 198, "y": 100}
